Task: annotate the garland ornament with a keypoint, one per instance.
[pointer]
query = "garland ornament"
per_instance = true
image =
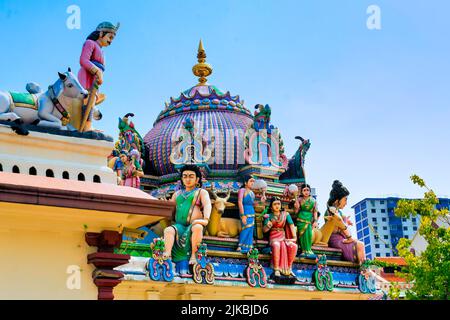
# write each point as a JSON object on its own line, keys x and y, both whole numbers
{"x": 322, "y": 277}
{"x": 203, "y": 272}
{"x": 255, "y": 273}
{"x": 159, "y": 267}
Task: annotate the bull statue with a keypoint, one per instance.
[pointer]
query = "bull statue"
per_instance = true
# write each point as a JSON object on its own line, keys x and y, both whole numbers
{"x": 322, "y": 236}
{"x": 50, "y": 108}
{"x": 218, "y": 226}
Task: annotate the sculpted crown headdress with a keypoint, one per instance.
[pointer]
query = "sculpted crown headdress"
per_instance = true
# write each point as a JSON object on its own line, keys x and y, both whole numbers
{"x": 108, "y": 26}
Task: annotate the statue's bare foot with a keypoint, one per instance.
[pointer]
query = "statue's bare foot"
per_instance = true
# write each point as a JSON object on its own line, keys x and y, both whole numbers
{"x": 277, "y": 273}
{"x": 166, "y": 255}
{"x": 346, "y": 241}
{"x": 192, "y": 260}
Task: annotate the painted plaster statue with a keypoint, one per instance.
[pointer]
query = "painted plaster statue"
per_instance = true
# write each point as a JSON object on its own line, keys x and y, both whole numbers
{"x": 47, "y": 108}
{"x": 131, "y": 169}
{"x": 282, "y": 238}
{"x": 262, "y": 117}
{"x": 306, "y": 208}
{"x": 130, "y": 143}
{"x": 191, "y": 146}
{"x": 353, "y": 250}
{"x": 92, "y": 62}
{"x": 129, "y": 138}
{"x": 218, "y": 226}
{"x": 193, "y": 209}
{"x": 296, "y": 165}
{"x": 116, "y": 164}
{"x": 246, "y": 199}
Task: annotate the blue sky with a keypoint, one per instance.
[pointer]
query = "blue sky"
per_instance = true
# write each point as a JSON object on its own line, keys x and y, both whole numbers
{"x": 375, "y": 103}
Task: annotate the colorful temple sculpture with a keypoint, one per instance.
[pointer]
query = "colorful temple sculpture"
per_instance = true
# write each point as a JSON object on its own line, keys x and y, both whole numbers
{"x": 126, "y": 158}
{"x": 205, "y": 206}
{"x": 60, "y": 206}
{"x": 247, "y": 227}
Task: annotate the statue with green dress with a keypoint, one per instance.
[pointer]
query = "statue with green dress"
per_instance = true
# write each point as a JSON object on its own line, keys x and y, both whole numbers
{"x": 193, "y": 209}
{"x": 306, "y": 208}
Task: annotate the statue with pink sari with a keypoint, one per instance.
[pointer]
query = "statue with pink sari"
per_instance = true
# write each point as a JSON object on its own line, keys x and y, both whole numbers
{"x": 132, "y": 169}
{"x": 282, "y": 238}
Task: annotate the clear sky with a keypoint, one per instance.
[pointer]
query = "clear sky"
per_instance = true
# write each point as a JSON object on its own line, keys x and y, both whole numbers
{"x": 375, "y": 103}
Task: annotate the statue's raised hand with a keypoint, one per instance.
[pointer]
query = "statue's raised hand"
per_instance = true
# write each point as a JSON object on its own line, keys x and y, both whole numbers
{"x": 99, "y": 75}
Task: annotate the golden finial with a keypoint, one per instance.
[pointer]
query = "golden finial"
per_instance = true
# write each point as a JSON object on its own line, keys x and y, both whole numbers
{"x": 202, "y": 69}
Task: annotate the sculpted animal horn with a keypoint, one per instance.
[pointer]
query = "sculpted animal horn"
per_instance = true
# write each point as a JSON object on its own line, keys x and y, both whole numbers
{"x": 228, "y": 195}
{"x": 62, "y": 76}
{"x": 213, "y": 192}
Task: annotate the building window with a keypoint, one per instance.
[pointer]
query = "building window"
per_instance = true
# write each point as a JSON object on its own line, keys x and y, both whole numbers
{"x": 388, "y": 254}
{"x": 386, "y": 246}
{"x": 383, "y": 210}
{"x": 377, "y": 254}
{"x": 373, "y": 210}
{"x": 415, "y": 228}
{"x": 405, "y": 228}
{"x": 65, "y": 175}
{"x": 81, "y": 177}
{"x": 49, "y": 173}
{"x": 403, "y": 219}
{"x": 372, "y": 203}
{"x": 384, "y": 228}
{"x": 382, "y": 202}
{"x": 32, "y": 171}
{"x": 374, "y": 220}
{"x": 364, "y": 214}
{"x": 383, "y": 219}
{"x": 97, "y": 179}
{"x": 406, "y": 236}
{"x": 16, "y": 169}
{"x": 360, "y": 235}
{"x": 364, "y": 223}
{"x": 377, "y": 246}
{"x": 386, "y": 237}
{"x": 366, "y": 232}
{"x": 375, "y": 228}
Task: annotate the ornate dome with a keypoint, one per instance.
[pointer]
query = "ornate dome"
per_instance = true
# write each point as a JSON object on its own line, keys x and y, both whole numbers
{"x": 211, "y": 110}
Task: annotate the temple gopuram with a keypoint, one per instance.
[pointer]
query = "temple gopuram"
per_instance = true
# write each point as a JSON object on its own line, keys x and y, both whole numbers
{"x": 206, "y": 205}
{"x": 214, "y": 130}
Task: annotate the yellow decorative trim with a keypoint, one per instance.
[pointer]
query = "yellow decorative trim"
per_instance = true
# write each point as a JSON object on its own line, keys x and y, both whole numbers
{"x": 24, "y": 105}
{"x": 267, "y": 257}
{"x": 249, "y": 226}
{"x": 300, "y": 233}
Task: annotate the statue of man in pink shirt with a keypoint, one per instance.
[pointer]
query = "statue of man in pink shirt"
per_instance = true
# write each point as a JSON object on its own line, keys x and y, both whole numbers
{"x": 92, "y": 60}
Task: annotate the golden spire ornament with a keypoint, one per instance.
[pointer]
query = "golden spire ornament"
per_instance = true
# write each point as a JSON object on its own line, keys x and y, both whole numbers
{"x": 202, "y": 69}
